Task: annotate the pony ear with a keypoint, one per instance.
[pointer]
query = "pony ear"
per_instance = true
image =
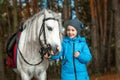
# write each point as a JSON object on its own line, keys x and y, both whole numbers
{"x": 47, "y": 14}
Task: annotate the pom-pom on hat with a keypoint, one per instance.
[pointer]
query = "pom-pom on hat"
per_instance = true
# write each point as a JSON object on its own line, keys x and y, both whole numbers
{"x": 76, "y": 23}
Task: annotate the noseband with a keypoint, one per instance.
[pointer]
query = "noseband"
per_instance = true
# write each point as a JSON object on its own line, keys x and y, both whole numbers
{"x": 45, "y": 48}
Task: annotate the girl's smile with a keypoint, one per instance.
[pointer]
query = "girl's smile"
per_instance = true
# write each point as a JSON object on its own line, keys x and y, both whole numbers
{"x": 71, "y": 32}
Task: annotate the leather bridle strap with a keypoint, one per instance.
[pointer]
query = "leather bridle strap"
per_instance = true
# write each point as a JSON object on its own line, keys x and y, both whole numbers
{"x": 42, "y": 29}
{"x": 45, "y": 48}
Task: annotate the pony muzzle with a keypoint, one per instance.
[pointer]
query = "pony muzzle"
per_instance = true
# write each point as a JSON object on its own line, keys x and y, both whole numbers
{"x": 53, "y": 49}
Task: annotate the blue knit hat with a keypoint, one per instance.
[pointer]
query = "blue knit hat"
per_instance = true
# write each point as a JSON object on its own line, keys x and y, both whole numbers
{"x": 76, "y": 23}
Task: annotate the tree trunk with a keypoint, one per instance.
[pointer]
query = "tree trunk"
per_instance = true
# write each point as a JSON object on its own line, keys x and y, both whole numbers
{"x": 1, "y": 56}
{"x": 110, "y": 54}
{"x": 116, "y": 8}
{"x": 28, "y": 14}
{"x": 95, "y": 37}
{"x": 76, "y": 8}
{"x": 15, "y": 23}
{"x": 102, "y": 24}
{"x": 66, "y": 11}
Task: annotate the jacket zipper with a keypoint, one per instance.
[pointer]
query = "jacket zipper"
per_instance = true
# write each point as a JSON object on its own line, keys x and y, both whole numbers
{"x": 65, "y": 62}
{"x": 74, "y": 61}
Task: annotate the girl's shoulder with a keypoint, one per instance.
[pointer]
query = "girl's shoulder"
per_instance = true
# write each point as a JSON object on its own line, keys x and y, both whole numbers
{"x": 81, "y": 39}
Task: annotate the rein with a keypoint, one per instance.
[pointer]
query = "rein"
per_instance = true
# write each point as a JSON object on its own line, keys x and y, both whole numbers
{"x": 45, "y": 48}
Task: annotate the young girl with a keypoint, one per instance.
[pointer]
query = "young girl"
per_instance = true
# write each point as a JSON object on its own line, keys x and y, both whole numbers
{"x": 75, "y": 53}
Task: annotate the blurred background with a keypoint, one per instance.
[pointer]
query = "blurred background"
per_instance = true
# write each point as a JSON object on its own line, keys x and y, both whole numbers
{"x": 102, "y": 31}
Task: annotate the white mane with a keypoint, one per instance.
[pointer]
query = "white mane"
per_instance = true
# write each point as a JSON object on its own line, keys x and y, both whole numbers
{"x": 34, "y": 24}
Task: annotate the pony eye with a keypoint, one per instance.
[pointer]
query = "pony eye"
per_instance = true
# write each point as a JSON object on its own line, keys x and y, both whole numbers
{"x": 49, "y": 28}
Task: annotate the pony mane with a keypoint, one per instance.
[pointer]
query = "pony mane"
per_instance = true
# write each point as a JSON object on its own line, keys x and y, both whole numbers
{"x": 34, "y": 23}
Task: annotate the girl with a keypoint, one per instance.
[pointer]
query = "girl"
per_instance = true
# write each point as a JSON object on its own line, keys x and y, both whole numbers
{"x": 75, "y": 53}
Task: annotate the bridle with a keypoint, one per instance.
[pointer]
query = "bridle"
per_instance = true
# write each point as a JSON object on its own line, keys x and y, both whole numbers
{"x": 45, "y": 48}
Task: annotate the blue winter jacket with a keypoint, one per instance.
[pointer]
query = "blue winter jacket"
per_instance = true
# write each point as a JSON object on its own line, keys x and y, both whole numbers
{"x": 74, "y": 68}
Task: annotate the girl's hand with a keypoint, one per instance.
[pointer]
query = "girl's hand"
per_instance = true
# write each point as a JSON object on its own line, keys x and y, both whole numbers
{"x": 47, "y": 56}
{"x": 76, "y": 54}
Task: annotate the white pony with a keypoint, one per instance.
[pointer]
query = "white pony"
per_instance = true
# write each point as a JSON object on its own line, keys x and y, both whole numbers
{"x": 41, "y": 33}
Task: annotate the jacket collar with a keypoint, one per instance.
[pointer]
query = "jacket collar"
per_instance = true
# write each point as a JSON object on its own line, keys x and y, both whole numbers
{"x": 77, "y": 38}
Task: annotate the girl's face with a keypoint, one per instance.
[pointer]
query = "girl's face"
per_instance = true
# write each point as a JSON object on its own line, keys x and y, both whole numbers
{"x": 71, "y": 32}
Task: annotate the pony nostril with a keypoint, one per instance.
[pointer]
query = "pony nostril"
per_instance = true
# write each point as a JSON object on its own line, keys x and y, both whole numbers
{"x": 54, "y": 48}
{"x": 48, "y": 45}
{"x": 57, "y": 49}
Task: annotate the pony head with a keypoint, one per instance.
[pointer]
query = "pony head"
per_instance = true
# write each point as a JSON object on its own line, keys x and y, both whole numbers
{"x": 51, "y": 30}
{"x": 40, "y": 30}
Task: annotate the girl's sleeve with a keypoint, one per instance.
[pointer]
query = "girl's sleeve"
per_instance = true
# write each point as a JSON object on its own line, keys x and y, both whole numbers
{"x": 85, "y": 55}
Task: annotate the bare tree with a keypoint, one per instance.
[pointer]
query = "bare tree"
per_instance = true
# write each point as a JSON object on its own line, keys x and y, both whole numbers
{"x": 116, "y": 8}
{"x": 15, "y": 21}
{"x": 66, "y": 10}
{"x": 102, "y": 25}
{"x": 99, "y": 14}
{"x": 95, "y": 36}
{"x": 1, "y": 57}
{"x": 77, "y": 2}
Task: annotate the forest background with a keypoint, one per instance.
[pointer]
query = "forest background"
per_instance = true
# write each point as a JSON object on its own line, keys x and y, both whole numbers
{"x": 102, "y": 30}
